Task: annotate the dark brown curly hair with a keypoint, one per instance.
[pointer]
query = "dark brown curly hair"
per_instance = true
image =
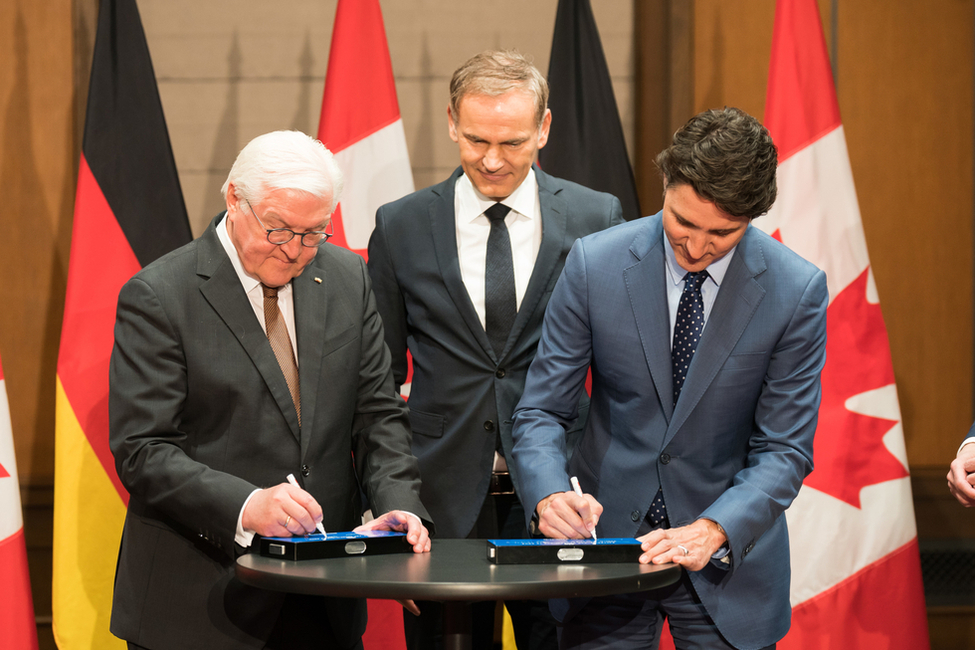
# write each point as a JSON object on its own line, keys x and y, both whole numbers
{"x": 727, "y": 157}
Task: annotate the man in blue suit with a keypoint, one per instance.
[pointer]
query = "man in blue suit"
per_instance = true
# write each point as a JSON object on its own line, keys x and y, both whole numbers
{"x": 699, "y": 446}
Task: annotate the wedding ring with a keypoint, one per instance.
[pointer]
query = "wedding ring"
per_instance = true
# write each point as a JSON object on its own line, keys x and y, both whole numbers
{"x": 683, "y": 548}
{"x": 288, "y": 523}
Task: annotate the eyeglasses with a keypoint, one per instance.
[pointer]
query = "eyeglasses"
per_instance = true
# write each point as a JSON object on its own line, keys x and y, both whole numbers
{"x": 279, "y": 236}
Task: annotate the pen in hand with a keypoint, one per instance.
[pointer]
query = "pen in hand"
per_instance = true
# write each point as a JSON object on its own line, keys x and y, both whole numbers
{"x": 578, "y": 490}
{"x": 294, "y": 482}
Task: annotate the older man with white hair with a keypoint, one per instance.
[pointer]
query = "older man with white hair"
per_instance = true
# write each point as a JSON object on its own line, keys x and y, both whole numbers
{"x": 252, "y": 353}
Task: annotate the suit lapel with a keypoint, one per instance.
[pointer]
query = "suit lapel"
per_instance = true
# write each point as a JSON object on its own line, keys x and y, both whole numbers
{"x": 224, "y": 293}
{"x": 645, "y": 283}
{"x": 444, "y": 232}
{"x": 737, "y": 301}
{"x": 555, "y": 213}
{"x": 311, "y": 323}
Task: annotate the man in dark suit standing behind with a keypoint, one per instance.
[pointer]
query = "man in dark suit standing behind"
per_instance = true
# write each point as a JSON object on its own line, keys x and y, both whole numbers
{"x": 245, "y": 356}
{"x": 462, "y": 272}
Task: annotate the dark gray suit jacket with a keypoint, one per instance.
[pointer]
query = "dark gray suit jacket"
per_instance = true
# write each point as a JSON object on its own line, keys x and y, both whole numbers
{"x": 461, "y": 391}
{"x": 200, "y": 416}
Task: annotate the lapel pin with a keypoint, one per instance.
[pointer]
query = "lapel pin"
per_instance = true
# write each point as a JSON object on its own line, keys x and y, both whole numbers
{"x": 318, "y": 280}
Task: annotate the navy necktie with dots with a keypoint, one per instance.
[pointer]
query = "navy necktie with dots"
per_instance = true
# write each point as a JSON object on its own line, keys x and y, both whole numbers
{"x": 687, "y": 328}
{"x": 687, "y": 333}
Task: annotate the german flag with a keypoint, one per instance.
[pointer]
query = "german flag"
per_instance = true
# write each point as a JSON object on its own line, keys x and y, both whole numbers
{"x": 129, "y": 210}
{"x": 585, "y": 142}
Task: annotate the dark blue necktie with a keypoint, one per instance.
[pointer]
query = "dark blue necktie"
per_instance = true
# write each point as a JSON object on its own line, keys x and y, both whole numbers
{"x": 687, "y": 333}
{"x": 687, "y": 328}
{"x": 500, "y": 304}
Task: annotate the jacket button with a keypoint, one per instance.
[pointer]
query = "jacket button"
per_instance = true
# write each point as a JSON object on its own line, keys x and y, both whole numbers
{"x": 500, "y": 373}
{"x": 489, "y": 425}
{"x": 635, "y": 515}
{"x": 305, "y": 470}
{"x": 665, "y": 458}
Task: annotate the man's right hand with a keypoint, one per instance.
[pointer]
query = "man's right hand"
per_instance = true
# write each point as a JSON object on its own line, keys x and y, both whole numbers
{"x": 281, "y": 511}
{"x": 566, "y": 515}
{"x": 960, "y": 476}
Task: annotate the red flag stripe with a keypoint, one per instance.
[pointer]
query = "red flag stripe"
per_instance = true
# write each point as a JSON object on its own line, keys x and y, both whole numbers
{"x": 17, "y": 626}
{"x": 894, "y": 581}
{"x": 101, "y": 262}
{"x": 801, "y": 105}
{"x": 358, "y": 59}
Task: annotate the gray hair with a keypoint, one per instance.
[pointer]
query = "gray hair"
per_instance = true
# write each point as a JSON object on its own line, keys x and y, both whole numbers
{"x": 285, "y": 160}
{"x": 496, "y": 72}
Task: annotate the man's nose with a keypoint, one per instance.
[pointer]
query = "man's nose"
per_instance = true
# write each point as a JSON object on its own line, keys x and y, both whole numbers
{"x": 697, "y": 245}
{"x": 493, "y": 159}
{"x": 292, "y": 248}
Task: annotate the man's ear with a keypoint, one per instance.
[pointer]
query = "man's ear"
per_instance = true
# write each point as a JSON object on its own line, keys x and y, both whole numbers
{"x": 452, "y": 125}
{"x": 233, "y": 202}
{"x": 543, "y": 129}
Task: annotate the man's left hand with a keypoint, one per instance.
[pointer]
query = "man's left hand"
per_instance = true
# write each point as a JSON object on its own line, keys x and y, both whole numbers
{"x": 690, "y": 546}
{"x": 416, "y": 533}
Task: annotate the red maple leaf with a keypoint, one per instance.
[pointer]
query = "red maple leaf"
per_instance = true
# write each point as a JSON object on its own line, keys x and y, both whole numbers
{"x": 849, "y": 453}
{"x": 3, "y": 472}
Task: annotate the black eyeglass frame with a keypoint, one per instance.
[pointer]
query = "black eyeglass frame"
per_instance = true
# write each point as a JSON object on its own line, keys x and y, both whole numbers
{"x": 321, "y": 233}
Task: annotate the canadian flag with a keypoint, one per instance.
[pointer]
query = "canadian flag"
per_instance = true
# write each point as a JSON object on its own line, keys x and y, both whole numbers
{"x": 18, "y": 631}
{"x": 856, "y": 575}
{"x": 360, "y": 122}
{"x": 361, "y": 125}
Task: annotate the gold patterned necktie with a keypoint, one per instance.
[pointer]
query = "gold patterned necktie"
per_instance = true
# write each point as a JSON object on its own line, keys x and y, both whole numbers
{"x": 277, "y": 334}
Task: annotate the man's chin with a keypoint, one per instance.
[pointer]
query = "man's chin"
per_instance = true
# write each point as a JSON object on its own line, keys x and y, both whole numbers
{"x": 279, "y": 278}
{"x": 694, "y": 267}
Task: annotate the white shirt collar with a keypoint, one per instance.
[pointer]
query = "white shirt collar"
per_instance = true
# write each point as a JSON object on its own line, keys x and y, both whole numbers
{"x": 472, "y": 204}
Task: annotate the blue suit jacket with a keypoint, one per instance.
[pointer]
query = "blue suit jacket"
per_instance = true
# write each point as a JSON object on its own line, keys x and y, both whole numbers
{"x": 462, "y": 391}
{"x": 739, "y": 443}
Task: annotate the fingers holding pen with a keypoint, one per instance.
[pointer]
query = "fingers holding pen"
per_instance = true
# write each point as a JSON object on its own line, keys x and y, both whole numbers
{"x": 566, "y": 515}
{"x": 280, "y": 511}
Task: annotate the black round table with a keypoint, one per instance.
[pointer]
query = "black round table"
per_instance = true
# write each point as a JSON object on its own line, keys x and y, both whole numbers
{"x": 455, "y": 571}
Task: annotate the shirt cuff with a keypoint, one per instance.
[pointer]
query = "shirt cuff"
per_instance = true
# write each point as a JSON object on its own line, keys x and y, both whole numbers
{"x": 245, "y": 538}
{"x": 968, "y": 441}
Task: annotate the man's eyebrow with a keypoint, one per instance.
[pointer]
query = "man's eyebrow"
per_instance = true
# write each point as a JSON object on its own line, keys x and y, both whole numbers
{"x": 681, "y": 219}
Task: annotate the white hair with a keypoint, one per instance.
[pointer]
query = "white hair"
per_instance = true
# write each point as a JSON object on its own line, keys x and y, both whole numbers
{"x": 285, "y": 160}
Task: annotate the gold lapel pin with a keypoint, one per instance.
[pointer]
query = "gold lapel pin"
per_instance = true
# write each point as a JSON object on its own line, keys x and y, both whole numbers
{"x": 318, "y": 280}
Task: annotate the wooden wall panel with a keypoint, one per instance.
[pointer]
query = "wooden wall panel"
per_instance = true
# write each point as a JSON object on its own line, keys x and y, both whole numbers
{"x": 38, "y": 150}
{"x": 37, "y": 168}
{"x": 905, "y": 86}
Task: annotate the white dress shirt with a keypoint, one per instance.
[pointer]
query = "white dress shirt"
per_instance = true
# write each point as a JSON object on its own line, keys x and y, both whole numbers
{"x": 286, "y": 305}
{"x": 524, "y": 223}
{"x": 252, "y": 287}
{"x": 675, "y": 283}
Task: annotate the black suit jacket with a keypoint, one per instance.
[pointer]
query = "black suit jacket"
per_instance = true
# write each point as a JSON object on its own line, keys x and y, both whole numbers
{"x": 200, "y": 416}
{"x": 461, "y": 390}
